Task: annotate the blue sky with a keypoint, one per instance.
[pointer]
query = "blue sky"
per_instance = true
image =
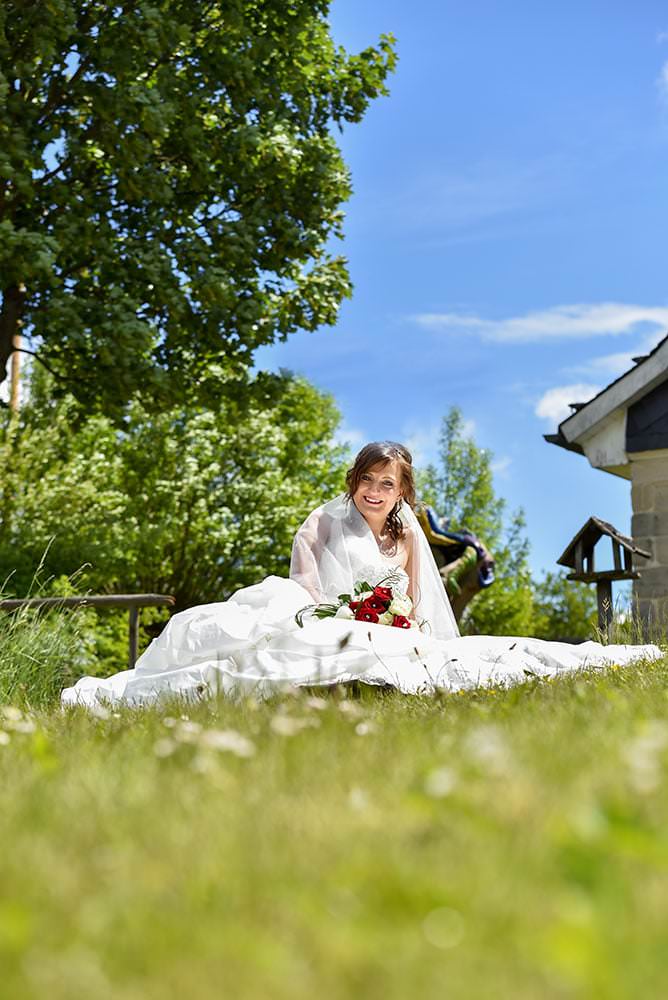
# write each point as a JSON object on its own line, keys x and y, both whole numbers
{"x": 505, "y": 238}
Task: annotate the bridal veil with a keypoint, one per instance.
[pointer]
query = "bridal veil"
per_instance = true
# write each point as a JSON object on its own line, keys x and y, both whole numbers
{"x": 335, "y": 548}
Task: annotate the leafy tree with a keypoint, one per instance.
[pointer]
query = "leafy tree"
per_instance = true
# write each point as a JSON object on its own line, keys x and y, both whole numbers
{"x": 189, "y": 502}
{"x": 462, "y": 489}
{"x": 170, "y": 186}
{"x": 565, "y": 609}
{"x": 462, "y": 486}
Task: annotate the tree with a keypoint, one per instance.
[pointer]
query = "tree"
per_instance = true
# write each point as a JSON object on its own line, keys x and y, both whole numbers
{"x": 190, "y": 502}
{"x": 170, "y": 187}
{"x": 462, "y": 489}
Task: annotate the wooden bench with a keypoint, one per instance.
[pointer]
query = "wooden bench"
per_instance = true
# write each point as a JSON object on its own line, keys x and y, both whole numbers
{"x": 132, "y": 602}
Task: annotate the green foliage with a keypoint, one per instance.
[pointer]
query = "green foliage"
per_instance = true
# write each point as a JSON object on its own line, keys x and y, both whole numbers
{"x": 40, "y": 653}
{"x": 192, "y": 502}
{"x": 170, "y": 187}
{"x": 462, "y": 488}
{"x": 566, "y": 609}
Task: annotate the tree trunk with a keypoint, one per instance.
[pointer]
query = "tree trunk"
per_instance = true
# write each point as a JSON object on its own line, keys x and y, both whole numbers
{"x": 10, "y": 325}
{"x": 15, "y": 388}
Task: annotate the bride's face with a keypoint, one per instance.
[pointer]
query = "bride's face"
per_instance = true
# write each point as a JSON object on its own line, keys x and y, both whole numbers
{"x": 378, "y": 491}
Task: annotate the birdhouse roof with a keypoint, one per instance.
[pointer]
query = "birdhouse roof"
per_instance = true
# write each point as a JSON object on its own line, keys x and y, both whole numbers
{"x": 590, "y": 534}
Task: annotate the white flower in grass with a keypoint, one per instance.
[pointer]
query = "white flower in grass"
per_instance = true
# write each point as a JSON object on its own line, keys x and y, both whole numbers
{"x": 286, "y": 725}
{"x": 227, "y": 741}
{"x": 440, "y": 782}
{"x": 22, "y": 726}
{"x": 350, "y": 708}
{"x": 187, "y": 732}
{"x": 358, "y": 799}
{"x": 10, "y": 713}
{"x": 319, "y": 704}
{"x": 4, "y": 738}
{"x": 164, "y": 747}
{"x": 364, "y": 728}
{"x": 345, "y": 612}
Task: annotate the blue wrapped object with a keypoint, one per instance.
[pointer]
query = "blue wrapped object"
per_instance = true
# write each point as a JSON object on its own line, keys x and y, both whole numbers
{"x": 454, "y": 543}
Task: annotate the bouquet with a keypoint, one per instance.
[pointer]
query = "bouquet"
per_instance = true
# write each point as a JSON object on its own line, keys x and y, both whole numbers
{"x": 380, "y": 604}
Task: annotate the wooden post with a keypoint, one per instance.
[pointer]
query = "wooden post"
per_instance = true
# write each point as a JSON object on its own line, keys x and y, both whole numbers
{"x": 133, "y": 602}
{"x": 617, "y": 554}
{"x": 134, "y": 637}
{"x": 604, "y": 598}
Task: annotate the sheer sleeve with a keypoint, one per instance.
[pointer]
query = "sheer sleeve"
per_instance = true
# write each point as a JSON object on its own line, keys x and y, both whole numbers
{"x": 325, "y": 548}
{"x": 308, "y": 547}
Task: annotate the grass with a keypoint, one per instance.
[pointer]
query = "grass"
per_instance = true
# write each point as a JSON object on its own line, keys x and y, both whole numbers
{"x": 492, "y": 844}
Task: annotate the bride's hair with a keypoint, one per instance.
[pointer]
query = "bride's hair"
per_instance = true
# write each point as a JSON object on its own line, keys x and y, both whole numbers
{"x": 380, "y": 453}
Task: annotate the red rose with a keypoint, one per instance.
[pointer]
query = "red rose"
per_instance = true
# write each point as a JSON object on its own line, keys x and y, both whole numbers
{"x": 354, "y": 605}
{"x": 400, "y": 621}
{"x": 365, "y": 615}
{"x": 374, "y": 604}
{"x": 383, "y": 593}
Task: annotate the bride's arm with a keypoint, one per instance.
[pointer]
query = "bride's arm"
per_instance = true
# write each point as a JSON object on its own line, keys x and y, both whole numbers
{"x": 307, "y": 550}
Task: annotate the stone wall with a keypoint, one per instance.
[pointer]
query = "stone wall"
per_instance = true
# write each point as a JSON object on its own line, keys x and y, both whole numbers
{"x": 649, "y": 528}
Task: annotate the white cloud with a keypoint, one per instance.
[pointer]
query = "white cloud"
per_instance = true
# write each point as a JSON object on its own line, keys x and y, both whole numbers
{"x": 560, "y": 322}
{"x": 422, "y": 442}
{"x": 352, "y": 437}
{"x": 553, "y": 404}
{"x": 616, "y": 364}
{"x": 662, "y": 82}
{"x": 501, "y": 465}
{"x": 662, "y": 37}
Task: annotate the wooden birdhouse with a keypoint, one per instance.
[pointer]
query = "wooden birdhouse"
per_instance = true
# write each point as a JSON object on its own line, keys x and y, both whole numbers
{"x": 579, "y": 556}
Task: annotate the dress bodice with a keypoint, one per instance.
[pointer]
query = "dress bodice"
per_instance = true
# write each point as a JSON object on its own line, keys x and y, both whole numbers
{"x": 387, "y": 573}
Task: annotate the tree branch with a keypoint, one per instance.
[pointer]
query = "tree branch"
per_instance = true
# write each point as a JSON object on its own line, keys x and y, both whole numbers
{"x": 57, "y": 375}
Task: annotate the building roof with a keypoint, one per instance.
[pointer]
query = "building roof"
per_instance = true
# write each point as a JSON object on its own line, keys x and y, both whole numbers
{"x": 649, "y": 371}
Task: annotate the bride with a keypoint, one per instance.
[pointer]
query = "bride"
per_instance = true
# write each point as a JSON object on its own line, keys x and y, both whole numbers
{"x": 257, "y": 642}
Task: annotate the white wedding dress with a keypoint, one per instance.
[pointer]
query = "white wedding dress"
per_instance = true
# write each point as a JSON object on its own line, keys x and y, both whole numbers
{"x": 252, "y": 644}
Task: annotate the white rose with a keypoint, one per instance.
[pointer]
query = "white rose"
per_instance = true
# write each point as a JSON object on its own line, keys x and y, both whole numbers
{"x": 386, "y": 618}
{"x": 344, "y": 612}
{"x": 363, "y": 596}
{"x": 401, "y": 606}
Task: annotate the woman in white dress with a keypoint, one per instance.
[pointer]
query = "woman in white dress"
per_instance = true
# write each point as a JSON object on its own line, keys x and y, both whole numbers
{"x": 257, "y": 643}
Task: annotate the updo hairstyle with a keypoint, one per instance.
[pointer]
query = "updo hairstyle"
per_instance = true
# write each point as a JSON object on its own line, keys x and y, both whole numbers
{"x": 381, "y": 453}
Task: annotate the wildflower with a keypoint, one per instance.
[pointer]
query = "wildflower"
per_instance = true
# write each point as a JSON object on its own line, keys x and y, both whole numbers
{"x": 227, "y": 740}
{"x": 187, "y": 732}
{"x": 350, "y": 708}
{"x": 358, "y": 799}
{"x": 364, "y": 728}
{"x": 285, "y": 725}
{"x": 164, "y": 747}
{"x": 440, "y": 782}
{"x": 319, "y": 704}
{"x": 10, "y": 713}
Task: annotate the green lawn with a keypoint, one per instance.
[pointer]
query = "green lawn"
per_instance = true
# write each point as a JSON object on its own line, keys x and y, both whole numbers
{"x": 499, "y": 844}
